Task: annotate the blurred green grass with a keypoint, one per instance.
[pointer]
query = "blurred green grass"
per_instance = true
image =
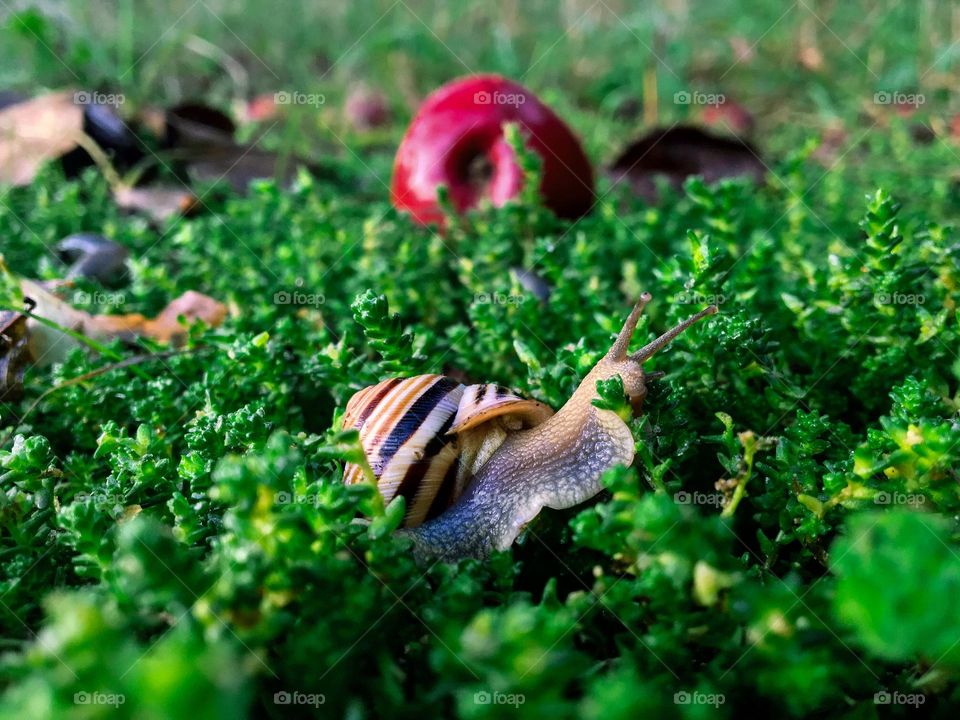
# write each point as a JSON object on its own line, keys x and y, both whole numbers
{"x": 593, "y": 55}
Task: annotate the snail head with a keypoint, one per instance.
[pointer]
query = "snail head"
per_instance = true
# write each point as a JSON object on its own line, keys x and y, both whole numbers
{"x": 629, "y": 366}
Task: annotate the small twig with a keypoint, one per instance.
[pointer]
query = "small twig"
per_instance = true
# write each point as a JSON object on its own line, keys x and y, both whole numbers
{"x": 101, "y": 160}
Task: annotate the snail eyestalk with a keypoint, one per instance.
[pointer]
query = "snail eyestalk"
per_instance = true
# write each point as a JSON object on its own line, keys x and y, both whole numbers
{"x": 653, "y": 347}
{"x": 619, "y": 349}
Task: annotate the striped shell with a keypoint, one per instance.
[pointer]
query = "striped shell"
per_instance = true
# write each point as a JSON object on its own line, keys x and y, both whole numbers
{"x": 426, "y": 436}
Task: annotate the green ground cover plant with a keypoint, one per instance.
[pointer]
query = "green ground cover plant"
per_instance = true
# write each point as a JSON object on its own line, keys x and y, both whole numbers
{"x": 175, "y": 540}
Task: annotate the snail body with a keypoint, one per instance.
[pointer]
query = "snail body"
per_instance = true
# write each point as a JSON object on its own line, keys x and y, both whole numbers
{"x": 556, "y": 461}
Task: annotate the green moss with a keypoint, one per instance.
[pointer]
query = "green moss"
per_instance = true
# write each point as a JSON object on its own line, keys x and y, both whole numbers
{"x": 176, "y": 533}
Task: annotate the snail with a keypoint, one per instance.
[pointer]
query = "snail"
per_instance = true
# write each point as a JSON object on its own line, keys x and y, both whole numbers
{"x": 476, "y": 463}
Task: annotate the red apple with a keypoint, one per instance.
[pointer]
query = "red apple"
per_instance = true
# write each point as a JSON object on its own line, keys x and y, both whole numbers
{"x": 457, "y": 140}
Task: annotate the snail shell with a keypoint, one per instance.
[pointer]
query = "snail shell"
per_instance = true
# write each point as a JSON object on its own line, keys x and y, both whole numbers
{"x": 426, "y": 436}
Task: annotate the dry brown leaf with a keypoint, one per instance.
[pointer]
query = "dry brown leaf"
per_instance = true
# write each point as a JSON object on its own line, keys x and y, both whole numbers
{"x": 48, "y": 344}
{"x": 193, "y": 306}
{"x": 36, "y": 131}
{"x": 165, "y": 327}
{"x": 159, "y": 203}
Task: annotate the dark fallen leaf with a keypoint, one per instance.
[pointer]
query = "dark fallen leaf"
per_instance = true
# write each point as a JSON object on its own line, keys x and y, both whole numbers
{"x": 201, "y": 140}
{"x": 14, "y": 354}
{"x": 239, "y": 165}
{"x": 675, "y": 154}
{"x": 195, "y": 124}
{"x": 111, "y": 134}
{"x": 94, "y": 257}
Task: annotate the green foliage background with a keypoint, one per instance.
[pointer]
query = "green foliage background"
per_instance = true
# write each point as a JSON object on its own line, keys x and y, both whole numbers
{"x": 177, "y": 535}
